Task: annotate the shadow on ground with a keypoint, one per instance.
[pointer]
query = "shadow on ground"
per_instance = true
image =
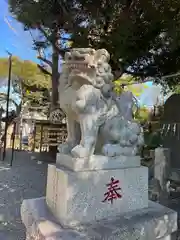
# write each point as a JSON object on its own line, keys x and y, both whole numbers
{"x": 25, "y": 179}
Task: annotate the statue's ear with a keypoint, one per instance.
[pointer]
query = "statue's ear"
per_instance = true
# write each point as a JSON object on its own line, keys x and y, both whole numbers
{"x": 102, "y": 55}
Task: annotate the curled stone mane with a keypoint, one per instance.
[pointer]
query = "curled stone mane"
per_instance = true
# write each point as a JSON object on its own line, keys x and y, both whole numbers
{"x": 103, "y": 75}
{"x": 99, "y": 62}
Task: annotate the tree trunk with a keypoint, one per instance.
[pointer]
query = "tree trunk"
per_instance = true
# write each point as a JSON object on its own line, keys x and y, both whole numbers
{"x": 55, "y": 72}
{"x": 55, "y": 76}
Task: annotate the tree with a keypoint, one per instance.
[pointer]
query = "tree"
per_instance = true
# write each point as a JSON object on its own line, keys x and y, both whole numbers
{"x": 130, "y": 82}
{"x": 52, "y": 19}
{"x": 142, "y": 36}
{"x": 143, "y": 114}
{"x": 28, "y": 81}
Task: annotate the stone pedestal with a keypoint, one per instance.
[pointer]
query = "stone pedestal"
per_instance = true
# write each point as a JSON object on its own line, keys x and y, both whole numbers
{"x": 75, "y": 197}
{"x": 154, "y": 222}
{"x": 97, "y": 162}
{"x": 97, "y": 199}
{"x": 77, "y": 189}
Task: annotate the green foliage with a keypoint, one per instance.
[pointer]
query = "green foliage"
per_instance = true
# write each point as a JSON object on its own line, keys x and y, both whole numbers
{"x": 143, "y": 114}
{"x": 153, "y": 140}
{"x": 123, "y": 80}
{"x": 42, "y": 12}
{"x": 144, "y": 35}
{"x": 137, "y": 89}
{"x": 31, "y": 79}
{"x": 157, "y": 113}
{"x": 173, "y": 87}
{"x": 129, "y": 81}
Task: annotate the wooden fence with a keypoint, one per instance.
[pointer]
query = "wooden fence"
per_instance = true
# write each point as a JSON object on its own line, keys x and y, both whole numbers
{"x": 45, "y": 135}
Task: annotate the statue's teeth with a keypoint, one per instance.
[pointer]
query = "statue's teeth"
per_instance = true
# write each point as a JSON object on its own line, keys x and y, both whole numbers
{"x": 78, "y": 65}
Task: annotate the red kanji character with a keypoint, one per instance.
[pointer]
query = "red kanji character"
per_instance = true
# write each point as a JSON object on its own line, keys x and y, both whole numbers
{"x": 112, "y": 193}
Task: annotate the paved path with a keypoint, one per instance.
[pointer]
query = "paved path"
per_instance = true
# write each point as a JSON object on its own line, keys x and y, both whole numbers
{"x": 26, "y": 179}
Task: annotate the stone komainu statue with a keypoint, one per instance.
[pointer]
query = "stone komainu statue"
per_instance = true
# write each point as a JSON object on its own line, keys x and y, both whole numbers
{"x": 96, "y": 122}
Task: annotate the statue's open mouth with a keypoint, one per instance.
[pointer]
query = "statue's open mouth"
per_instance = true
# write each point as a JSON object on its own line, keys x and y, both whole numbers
{"x": 77, "y": 65}
{"x": 79, "y": 77}
{"x": 82, "y": 70}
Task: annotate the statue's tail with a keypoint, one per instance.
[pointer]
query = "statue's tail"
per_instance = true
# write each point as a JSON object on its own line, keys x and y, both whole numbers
{"x": 136, "y": 104}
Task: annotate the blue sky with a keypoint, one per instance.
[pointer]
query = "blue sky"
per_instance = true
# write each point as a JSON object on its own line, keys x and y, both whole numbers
{"x": 19, "y": 43}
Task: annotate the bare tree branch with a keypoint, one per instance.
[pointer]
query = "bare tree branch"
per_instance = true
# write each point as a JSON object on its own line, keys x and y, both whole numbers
{"x": 3, "y": 97}
{"x": 44, "y": 70}
{"x": 60, "y": 50}
{"x": 45, "y": 60}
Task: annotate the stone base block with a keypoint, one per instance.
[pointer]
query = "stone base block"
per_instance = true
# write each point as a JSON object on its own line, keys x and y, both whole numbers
{"x": 97, "y": 162}
{"x": 85, "y": 196}
{"x": 154, "y": 222}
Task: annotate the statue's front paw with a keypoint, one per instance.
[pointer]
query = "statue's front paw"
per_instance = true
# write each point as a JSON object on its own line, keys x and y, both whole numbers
{"x": 79, "y": 152}
{"x": 80, "y": 105}
{"x": 111, "y": 150}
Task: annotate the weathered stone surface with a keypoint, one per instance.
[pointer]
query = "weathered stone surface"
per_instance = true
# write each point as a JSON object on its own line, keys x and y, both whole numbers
{"x": 154, "y": 222}
{"x": 97, "y": 162}
{"x": 97, "y": 121}
{"x": 162, "y": 166}
{"x": 159, "y": 186}
{"x": 77, "y": 196}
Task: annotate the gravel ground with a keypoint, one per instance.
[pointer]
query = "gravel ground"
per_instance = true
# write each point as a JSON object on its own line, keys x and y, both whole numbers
{"x": 26, "y": 179}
